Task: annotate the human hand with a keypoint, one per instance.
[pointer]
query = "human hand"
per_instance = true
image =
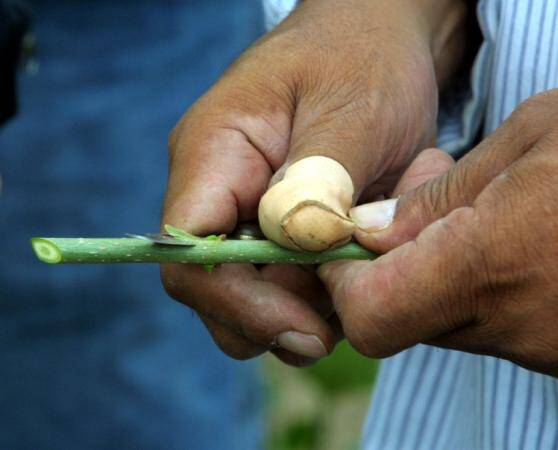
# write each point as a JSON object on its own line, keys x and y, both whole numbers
{"x": 296, "y": 94}
{"x": 472, "y": 253}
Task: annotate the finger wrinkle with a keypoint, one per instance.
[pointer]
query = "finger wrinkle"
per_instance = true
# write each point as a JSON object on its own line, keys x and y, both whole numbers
{"x": 273, "y": 162}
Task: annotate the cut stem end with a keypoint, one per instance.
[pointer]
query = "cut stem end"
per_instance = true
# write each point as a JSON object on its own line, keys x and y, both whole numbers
{"x": 46, "y": 251}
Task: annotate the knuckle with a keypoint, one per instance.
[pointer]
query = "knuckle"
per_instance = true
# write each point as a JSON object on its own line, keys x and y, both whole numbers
{"x": 520, "y": 121}
{"x": 458, "y": 265}
{"x": 459, "y": 220}
{"x": 453, "y": 227}
{"x": 544, "y": 102}
{"x": 441, "y": 195}
{"x": 475, "y": 261}
{"x": 436, "y": 197}
{"x": 277, "y": 47}
{"x": 527, "y": 109}
{"x": 540, "y": 110}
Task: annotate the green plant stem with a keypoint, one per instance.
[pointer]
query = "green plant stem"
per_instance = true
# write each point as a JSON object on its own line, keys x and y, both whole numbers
{"x": 133, "y": 250}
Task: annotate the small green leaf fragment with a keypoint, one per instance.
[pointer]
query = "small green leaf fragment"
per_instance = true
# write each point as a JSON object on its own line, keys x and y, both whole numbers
{"x": 177, "y": 233}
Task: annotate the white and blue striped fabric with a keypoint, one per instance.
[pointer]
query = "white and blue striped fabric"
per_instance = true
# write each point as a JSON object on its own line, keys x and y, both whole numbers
{"x": 428, "y": 398}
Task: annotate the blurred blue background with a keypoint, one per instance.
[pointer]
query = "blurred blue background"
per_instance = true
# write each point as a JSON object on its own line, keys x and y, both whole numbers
{"x": 97, "y": 357}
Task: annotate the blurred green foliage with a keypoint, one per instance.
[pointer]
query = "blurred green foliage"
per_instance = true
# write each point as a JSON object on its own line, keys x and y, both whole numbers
{"x": 301, "y": 435}
{"x": 344, "y": 370}
{"x": 320, "y": 407}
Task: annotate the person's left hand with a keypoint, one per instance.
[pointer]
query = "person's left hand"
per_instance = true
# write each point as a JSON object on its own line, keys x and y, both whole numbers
{"x": 475, "y": 252}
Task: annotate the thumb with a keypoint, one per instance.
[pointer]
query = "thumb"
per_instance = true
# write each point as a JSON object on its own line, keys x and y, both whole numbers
{"x": 383, "y": 226}
{"x": 336, "y": 152}
{"x": 373, "y": 218}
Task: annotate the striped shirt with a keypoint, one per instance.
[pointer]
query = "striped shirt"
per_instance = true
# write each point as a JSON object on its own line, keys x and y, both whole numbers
{"x": 429, "y": 398}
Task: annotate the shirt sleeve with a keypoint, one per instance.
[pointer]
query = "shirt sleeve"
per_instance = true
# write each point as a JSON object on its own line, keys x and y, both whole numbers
{"x": 276, "y": 10}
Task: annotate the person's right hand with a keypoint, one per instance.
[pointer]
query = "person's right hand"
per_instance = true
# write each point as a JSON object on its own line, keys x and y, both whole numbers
{"x": 353, "y": 80}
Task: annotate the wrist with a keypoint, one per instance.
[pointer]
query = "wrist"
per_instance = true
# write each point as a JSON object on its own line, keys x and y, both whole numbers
{"x": 445, "y": 23}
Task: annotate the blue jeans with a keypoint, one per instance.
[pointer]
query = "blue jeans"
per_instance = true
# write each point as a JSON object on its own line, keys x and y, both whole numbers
{"x": 98, "y": 357}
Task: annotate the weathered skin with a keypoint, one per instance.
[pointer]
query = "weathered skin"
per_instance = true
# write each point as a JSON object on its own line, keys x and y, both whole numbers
{"x": 352, "y": 80}
{"x": 474, "y": 258}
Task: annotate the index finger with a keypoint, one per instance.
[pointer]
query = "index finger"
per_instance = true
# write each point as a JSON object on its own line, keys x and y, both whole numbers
{"x": 411, "y": 294}
{"x": 220, "y": 166}
{"x": 208, "y": 188}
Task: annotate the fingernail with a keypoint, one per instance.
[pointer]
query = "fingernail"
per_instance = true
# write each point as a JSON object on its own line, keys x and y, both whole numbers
{"x": 375, "y": 216}
{"x": 302, "y": 344}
